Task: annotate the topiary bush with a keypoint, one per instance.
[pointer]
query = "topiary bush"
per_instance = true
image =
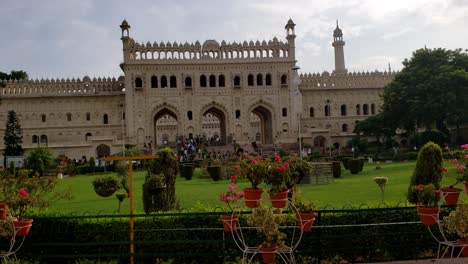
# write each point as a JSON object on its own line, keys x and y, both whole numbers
{"x": 336, "y": 169}
{"x": 215, "y": 172}
{"x": 345, "y": 162}
{"x": 428, "y": 169}
{"x": 186, "y": 171}
{"x": 361, "y": 164}
{"x": 354, "y": 166}
{"x": 105, "y": 186}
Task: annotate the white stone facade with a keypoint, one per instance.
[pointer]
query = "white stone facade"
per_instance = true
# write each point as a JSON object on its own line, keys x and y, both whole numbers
{"x": 242, "y": 92}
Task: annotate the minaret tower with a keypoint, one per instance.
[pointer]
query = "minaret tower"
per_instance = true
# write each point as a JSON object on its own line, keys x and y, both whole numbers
{"x": 291, "y": 36}
{"x": 338, "y": 44}
{"x": 125, "y": 38}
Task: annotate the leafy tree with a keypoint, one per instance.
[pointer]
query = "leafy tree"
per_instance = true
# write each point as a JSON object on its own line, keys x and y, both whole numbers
{"x": 40, "y": 160}
{"x": 430, "y": 92}
{"x": 377, "y": 126}
{"x": 14, "y": 75}
{"x": 13, "y": 136}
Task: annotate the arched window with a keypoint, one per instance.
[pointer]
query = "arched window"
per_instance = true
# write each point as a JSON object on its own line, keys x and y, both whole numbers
{"x": 43, "y": 140}
{"x": 285, "y": 111}
{"x": 221, "y": 81}
{"x": 154, "y": 82}
{"x": 358, "y": 109}
{"x": 188, "y": 82}
{"x": 311, "y": 112}
{"x": 236, "y": 81}
{"x": 343, "y": 110}
{"x": 372, "y": 109}
{"x": 88, "y": 116}
{"x": 88, "y": 135}
{"x": 327, "y": 110}
{"x": 365, "y": 109}
{"x": 189, "y": 115}
{"x": 43, "y": 118}
{"x": 35, "y": 139}
{"x": 238, "y": 114}
{"x": 250, "y": 80}
{"x": 138, "y": 82}
{"x": 284, "y": 79}
{"x": 163, "y": 81}
{"x": 259, "y": 79}
{"x": 344, "y": 127}
{"x": 173, "y": 81}
{"x": 69, "y": 116}
{"x": 268, "y": 79}
{"x": 212, "y": 81}
{"x": 105, "y": 119}
{"x": 203, "y": 81}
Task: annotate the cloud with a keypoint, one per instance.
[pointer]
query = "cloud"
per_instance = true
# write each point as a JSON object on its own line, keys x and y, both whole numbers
{"x": 392, "y": 35}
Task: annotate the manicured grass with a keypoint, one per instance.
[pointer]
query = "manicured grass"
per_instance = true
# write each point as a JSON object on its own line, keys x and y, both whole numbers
{"x": 202, "y": 194}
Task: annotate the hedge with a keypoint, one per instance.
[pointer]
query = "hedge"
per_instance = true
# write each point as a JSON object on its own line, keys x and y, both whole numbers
{"x": 354, "y": 166}
{"x": 336, "y": 169}
{"x": 367, "y": 235}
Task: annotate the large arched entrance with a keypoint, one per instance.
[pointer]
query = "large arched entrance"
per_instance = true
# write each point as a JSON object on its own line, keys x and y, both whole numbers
{"x": 214, "y": 125}
{"x": 102, "y": 151}
{"x": 165, "y": 127}
{"x": 265, "y": 125}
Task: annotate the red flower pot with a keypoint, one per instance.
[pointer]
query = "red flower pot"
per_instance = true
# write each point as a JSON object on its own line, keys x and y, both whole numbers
{"x": 229, "y": 222}
{"x": 23, "y": 226}
{"x": 279, "y": 200}
{"x": 268, "y": 253}
{"x": 3, "y": 210}
{"x": 465, "y": 250}
{"x": 252, "y": 196}
{"x": 451, "y": 195}
{"x": 305, "y": 221}
{"x": 428, "y": 215}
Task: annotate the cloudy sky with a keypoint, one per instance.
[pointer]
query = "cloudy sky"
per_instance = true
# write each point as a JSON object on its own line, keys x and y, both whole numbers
{"x": 73, "y": 38}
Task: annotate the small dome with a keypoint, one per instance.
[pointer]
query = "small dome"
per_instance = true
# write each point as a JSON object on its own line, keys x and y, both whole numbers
{"x": 337, "y": 32}
{"x": 290, "y": 24}
{"x": 210, "y": 45}
{"x": 124, "y": 24}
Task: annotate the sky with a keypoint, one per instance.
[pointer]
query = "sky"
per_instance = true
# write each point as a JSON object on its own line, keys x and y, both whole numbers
{"x": 75, "y": 38}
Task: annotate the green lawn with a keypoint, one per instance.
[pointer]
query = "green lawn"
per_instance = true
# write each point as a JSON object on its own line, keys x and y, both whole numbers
{"x": 202, "y": 194}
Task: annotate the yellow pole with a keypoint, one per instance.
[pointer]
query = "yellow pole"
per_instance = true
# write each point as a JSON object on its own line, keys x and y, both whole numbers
{"x": 132, "y": 232}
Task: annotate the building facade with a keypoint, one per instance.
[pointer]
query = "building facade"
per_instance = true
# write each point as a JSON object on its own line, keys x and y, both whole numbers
{"x": 243, "y": 92}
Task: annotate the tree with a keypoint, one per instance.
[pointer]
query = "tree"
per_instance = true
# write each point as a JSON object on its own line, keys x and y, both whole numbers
{"x": 40, "y": 160}
{"x": 430, "y": 92}
{"x": 13, "y": 136}
{"x": 14, "y": 75}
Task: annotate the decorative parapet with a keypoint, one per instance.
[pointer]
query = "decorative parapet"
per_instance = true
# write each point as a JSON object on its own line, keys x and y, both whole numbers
{"x": 63, "y": 87}
{"x": 210, "y": 50}
{"x": 326, "y": 80}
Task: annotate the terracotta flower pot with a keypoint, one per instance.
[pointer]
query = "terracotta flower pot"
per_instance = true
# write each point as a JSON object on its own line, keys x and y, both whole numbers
{"x": 451, "y": 195}
{"x": 3, "y": 210}
{"x": 252, "y": 196}
{"x": 279, "y": 200}
{"x": 23, "y": 226}
{"x": 465, "y": 250}
{"x": 305, "y": 221}
{"x": 428, "y": 215}
{"x": 268, "y": 253}
{"x": 229, "y": 222}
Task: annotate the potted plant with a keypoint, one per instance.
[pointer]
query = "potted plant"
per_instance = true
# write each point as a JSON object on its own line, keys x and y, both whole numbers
{"x": 21, "y": 203}
{"x": 106, "y": 186}
{"x": 267, "y": 221}
{"x": 231, "y": 196}
{"x": 6, "y": 227}
{"x": 277, "y": 177}
{"x": 255, "y": 170}
{"x": 427, "y": 198}
{"x": 452, "y": 193}
{"x": 305, "y": 215}
{"x": 456, "y": 223}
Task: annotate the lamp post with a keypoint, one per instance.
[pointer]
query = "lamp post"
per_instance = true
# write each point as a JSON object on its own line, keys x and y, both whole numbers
{"x": 298, "y": 103}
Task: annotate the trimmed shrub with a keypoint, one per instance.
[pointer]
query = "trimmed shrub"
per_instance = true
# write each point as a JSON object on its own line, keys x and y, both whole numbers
{"x": 215, "y": 172}
{"x": 354, "y": 166}
{"x": 361, "y": 164}
{"x": 186, "y": 171}
{"x": 345, "y": 162}
{"x": 92, "y": 164}
{"x": 428, "y": 169}
{"x": 336, "y": 169}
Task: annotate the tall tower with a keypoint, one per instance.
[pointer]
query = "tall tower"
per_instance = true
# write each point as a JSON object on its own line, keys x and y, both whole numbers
{"x": 338, "y": 44}
{"x": 125, "y": 38}
{"x": 291, "y": 36}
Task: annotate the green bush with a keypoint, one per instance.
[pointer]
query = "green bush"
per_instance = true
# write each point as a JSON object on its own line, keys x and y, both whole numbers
{"x": 361, "y": 164}
{"x": 215, "y": 172}
{"x": 345, "y": 162}
{"x": 406, "y": 156}
{"x": 92, "y": 164}
{"x": 186, "y": 171}
{"x": 40, "y": 160}
{"x": 354, "y": 166}
{"x": 105, "y": 186}
{"x": 428, "y": 169}
{"x": 336, "y": 169}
